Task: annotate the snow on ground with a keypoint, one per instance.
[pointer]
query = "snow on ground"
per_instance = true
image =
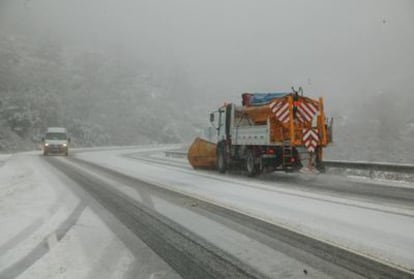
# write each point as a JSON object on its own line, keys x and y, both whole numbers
{"x": 89, "y": 250}
{"x": 30, "y": 206}
{"x": 269, "y": 261}
{"x": 381, "y": 231}
{"x": 4, "y": 158}
{"x": 49, "y": 232}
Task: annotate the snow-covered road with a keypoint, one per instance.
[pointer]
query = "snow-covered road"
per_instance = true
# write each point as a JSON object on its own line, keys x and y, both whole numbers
{"x": 50, "y": 231}
{"x": 379, "y": 230}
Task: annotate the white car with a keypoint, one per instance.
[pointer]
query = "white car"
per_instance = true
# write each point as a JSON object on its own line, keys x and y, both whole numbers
{"x": 56, "y": 141}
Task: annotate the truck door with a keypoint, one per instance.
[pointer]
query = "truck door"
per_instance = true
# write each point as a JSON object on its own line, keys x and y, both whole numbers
{"x": 221, "y": 128}
{"x": 222, "y": 121}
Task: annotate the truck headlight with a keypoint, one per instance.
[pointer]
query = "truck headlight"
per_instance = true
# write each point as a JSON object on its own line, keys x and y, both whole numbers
{"x": 65, "y": 144}
{"x": 46, "y": 144}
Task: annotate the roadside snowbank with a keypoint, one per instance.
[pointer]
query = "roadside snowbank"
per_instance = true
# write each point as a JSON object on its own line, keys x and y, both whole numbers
{"x": 48, "y": 231}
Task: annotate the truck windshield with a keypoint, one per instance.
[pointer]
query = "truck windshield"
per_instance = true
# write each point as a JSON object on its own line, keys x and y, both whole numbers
{"x": 56, "y": 136}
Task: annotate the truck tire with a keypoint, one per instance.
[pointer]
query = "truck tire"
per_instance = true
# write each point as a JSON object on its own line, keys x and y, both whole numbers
{"x": 221, "y": 160}
{"x": 319, "y": 164}
{"x": 251, "y": 166}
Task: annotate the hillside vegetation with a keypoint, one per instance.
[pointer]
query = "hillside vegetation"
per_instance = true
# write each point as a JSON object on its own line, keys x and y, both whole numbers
{"x": 102, "y": 98}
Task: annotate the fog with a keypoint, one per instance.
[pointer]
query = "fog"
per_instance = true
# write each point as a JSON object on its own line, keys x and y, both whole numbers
{"x": 195, "y": 55}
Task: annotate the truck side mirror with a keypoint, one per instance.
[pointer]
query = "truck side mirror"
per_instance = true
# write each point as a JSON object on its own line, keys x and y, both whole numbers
{"x": 43, "y": 139}
{"x": 211, "y": 117}
{"x": 69, "y": 139}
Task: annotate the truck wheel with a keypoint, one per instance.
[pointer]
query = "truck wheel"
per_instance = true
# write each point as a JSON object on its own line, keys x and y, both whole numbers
{"x": 44, "y": 153}
{"x": 320, "y": 166}
{"x": 251, "y": 166}
{"x": 221, "y": 160}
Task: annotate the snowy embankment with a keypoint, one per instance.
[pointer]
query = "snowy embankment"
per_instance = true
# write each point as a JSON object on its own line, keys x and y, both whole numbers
{"x": 4, "y": 158}
{"x": 47, "y": 231}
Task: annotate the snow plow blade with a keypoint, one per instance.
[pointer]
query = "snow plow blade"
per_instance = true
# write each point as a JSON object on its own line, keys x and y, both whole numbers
{"x": 202, "y": 154}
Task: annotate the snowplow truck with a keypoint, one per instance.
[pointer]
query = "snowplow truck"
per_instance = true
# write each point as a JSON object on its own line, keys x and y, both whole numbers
{"x": 267, "y": 132}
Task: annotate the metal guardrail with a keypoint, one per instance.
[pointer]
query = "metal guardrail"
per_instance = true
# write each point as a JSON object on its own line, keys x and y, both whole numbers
{"x": 176, "y": 153}
{"x": 360, "y": 165}
{"x": 371, "y": 166}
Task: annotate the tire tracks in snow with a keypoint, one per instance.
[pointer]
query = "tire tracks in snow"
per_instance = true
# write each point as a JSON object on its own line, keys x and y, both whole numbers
{"x": 45, "y": 245}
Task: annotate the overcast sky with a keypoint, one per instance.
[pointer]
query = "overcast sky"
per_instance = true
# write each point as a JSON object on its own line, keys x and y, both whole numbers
{"x": 334, "y": 48}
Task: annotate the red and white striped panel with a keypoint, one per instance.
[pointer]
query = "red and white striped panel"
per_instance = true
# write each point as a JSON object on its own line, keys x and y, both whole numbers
{"x": 281, "y": 110}
{"x": 306, "y": 111}
{"x": 310, "y": 139}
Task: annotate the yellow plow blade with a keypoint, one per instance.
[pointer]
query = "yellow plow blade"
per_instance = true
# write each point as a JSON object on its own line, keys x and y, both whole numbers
{"x": 202, "y": 154}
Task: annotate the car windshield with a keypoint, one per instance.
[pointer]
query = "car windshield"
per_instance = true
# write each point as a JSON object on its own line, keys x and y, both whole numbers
{"x": 56, "y": 136}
